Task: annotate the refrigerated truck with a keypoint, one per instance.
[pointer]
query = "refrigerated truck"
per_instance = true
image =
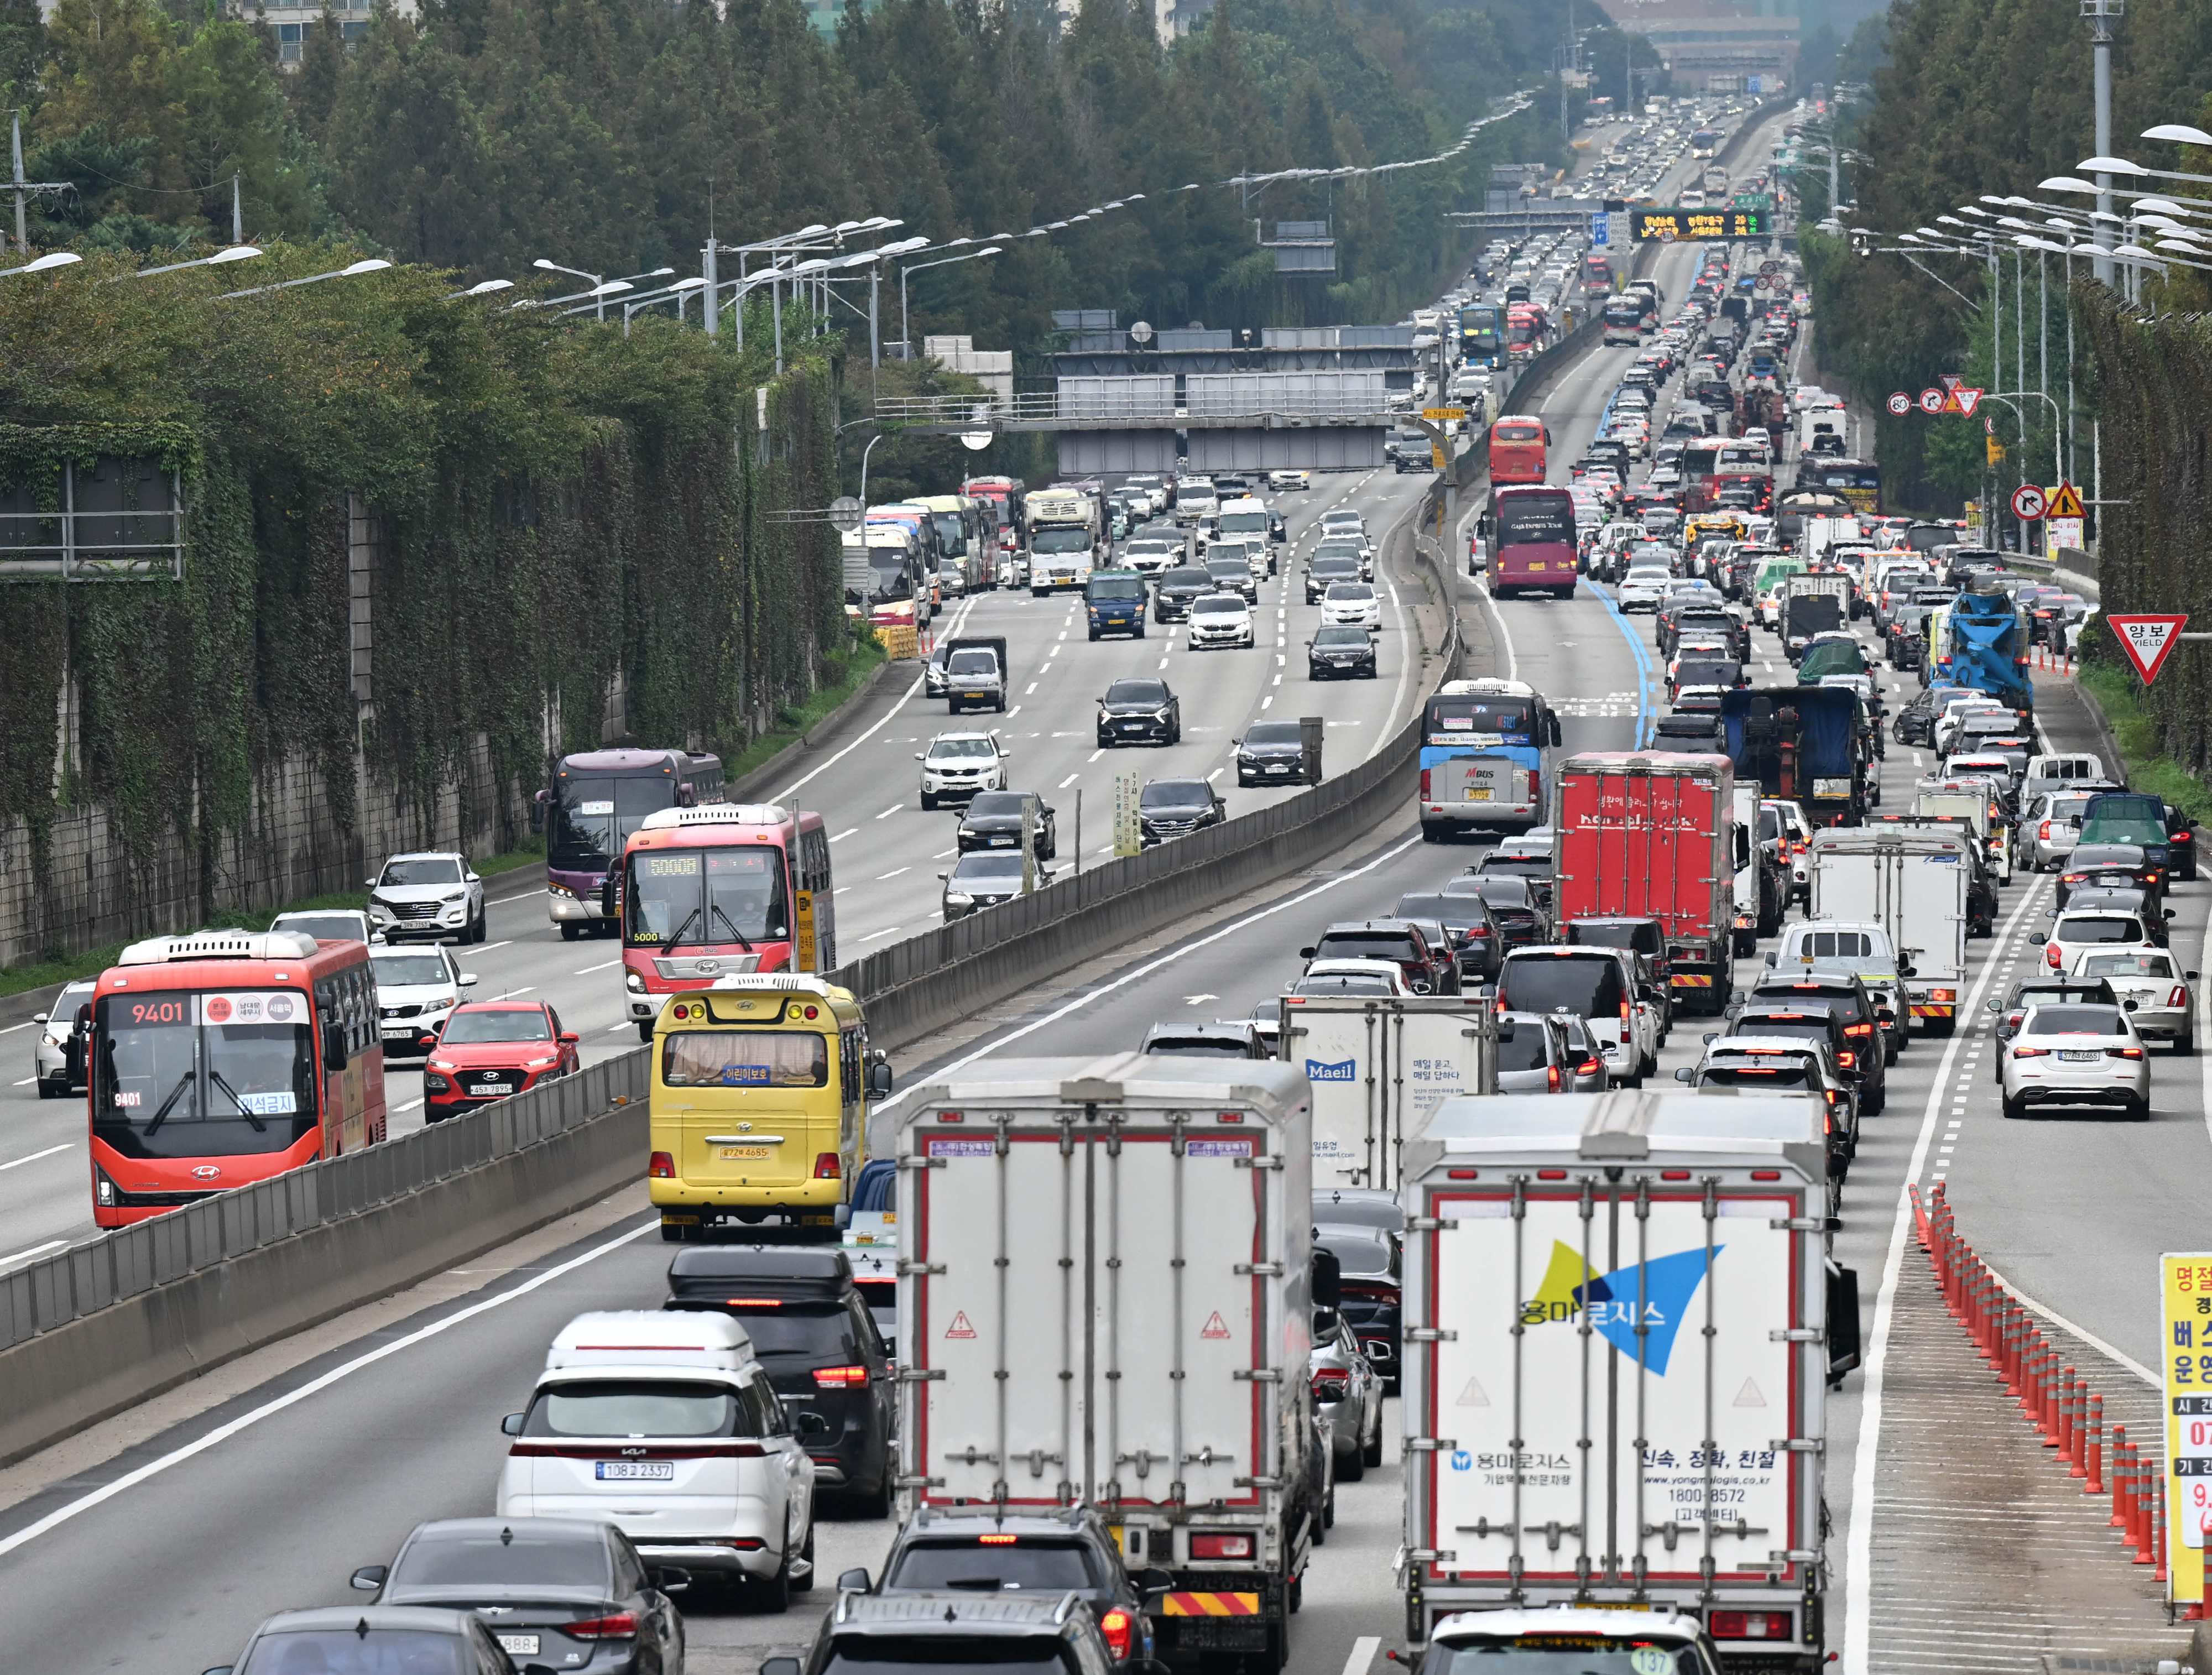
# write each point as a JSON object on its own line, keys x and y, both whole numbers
{"x": 1648, "y": 835}
{"x": 1913, "y": 884}
{"x": 1105, "y": 1299}
{"x": 1621, "y": 1327}
{"x": 1377, "y": 1066}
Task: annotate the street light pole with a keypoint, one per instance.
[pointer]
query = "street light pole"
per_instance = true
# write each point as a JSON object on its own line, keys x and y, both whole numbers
{"x": 916, "y": 267}
{"x": 2101, "y": 13}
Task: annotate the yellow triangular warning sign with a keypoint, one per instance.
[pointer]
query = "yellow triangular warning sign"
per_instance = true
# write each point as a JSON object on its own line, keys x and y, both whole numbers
{"x": 1215, "y": 1326}
{"x": 1749, "y": 1396}
{"x": 960, "y": 1328}
{"x": 2065, "y": 502}
{"x": 1474, "y": 1395}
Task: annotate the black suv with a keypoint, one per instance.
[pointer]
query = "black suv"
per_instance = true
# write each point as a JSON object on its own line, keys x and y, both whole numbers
{"x": 1040, "y": 1556}
{"x": 993, "y": 821}
{"x": 1173, "y": 592}
{"x": 1176, "y": 808}
{"x": 814, "y": 1334}
{"x": 1140, "y": 712}
{"x": 1274, "y": 753}
{"x": 1866, "y": 1046}
{"x": 1323, "y": 573}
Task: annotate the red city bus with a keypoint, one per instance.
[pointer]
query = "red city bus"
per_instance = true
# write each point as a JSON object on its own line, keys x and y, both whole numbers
{"x": 1530, "y": 528}
{"x": 226, "y": 1056}
{"x": 722, "y": 891}
{"x": 1700, "y": 459}
{"x": 1517, "y": 449}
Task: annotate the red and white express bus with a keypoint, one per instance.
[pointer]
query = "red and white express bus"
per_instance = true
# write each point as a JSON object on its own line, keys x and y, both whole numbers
{"x": 223, "y": 1058}
{"x": 1529, "y": 531}
{"x": 1517, "y": 444}
{"x": 720, "y": 891}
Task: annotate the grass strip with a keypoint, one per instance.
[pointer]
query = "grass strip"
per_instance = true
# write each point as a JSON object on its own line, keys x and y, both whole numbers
{"x": 2119, "y": 696}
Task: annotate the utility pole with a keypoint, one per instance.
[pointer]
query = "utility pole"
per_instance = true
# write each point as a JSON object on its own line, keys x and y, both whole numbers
{"x": 2101, "y": 13}
{"x": 237, "y": 218}
{"x": 25, "y": 190}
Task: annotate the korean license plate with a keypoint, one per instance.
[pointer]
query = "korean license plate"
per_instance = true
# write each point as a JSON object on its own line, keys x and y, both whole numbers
{"x": 743, "y": 1154}
{"x": 397, "y": 1032}
{"x": 2079, "y": 1057}
{"x": 1478, "y": 794}
{"x": 519, "y": 1645}
{"x": 634, "y": 1471}
{"x": 494, "y": 1088}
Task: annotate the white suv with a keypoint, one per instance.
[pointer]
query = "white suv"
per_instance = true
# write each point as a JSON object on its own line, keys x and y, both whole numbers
{"x": 665, "y": 1426}
{"x": 431, "y": 893}
{"x": 416, "y": 990}
{"x": 958, "y": 765}
{"x": 1220, "y": 619}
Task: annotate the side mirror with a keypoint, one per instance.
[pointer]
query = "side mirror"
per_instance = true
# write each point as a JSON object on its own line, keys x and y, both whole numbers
{"x": 853, "y": 1581}
{"x": 671, "y": 1579}
{"x": 1154, "y": 1582}
{"x": 879, "y": 1075}
{"x": 1687, "y": 1072}
{"x": 370, "y": 1577}
{"x": 1995, "y": 1006}
{"x": 513, "y": 1424}
{"x": 2169, "y": 913}
{"x": 809, "y": 1425}
{"x": 780, "y": 1667}
{"x": 1843, "y": 1336}
{"x": 334, "y": 1044}
{"x": 467, "y": 979}
{"x": 370, "y": 883}
{"x": 1908, "y": 971}
{"x": 1306, "y": 953}
{"x": 470, "y": 878}
{"x": 1326, "y": 1280}
{"x": 917, "y": 756}
{"x": 569, "y": 1038}
{"x": 38, "y": 1017}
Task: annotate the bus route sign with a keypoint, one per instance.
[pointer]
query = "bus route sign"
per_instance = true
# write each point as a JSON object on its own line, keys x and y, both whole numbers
{"x": 1700, "y": 226}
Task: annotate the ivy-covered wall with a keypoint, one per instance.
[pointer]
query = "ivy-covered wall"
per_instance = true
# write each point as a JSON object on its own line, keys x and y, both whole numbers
{"x": 533, "y": 512}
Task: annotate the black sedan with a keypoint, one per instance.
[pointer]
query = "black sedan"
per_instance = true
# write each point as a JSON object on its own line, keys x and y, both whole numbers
{"x": 1176, "y": 808}
{"x": 1345, "y": 649}
{"x": 993, "y": 821}
{"x": 1272, "y": 753}
{"x": 381, "y": 1637}
{"x": 550, "y": 1590}
{"x": 1140, "y": 712}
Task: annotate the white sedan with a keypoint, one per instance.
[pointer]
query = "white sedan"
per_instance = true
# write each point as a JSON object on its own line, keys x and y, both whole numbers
{"x": 1642, "y": 588}
{"x": 1220, "y": 619}
{"x": 2152, "y": 988}
{"x": 2075, "y": 1055}
{"x": 1351, "y": 604}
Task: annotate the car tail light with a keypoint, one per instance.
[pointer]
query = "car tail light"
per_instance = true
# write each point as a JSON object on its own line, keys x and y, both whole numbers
{"x": 2031, "y": 1052}
{"x": 998, "y": 1540}
{"x": 2178, "y": 998}
{"x": 839, "y": 1378}
{"x": 662, "y": 1167}
{"x": 1221, "y": 1546}
{"x": 2050, "y": 955}
{"x": 828, "y": 1168}
{"x": 1119, "y": 1628}
{"x": 1858, "y": 1029}
{"x": 1848, "y": 1061}
{"x": 1589, "y": 1067}
{"x": 1551, "y": 1078}
{"x": 1749, "y": 1624}
{"x": 2123, "y": 1053}
{"x": 1332, "y": 1384}
{"x": 2042, "y": 832}
{"x": 621, "y": 1626}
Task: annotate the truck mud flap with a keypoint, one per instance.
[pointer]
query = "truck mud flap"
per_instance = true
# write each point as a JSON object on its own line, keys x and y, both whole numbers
{"x": 1228, "y": 1614}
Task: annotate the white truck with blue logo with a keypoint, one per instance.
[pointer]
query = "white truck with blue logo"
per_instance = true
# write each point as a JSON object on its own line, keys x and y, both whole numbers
{"x": 1621, "y": 1323}
{"x": 1378, "y": 1065}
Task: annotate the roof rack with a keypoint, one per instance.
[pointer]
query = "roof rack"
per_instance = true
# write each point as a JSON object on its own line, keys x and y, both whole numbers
{"x": 716, "y": 814}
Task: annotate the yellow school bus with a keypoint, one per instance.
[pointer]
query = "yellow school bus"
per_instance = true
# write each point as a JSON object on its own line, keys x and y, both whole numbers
{"x": 759, "y": 1106}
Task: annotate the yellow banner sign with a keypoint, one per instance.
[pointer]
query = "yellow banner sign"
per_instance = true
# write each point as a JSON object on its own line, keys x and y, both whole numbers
{"x": 2185, "y": 1306}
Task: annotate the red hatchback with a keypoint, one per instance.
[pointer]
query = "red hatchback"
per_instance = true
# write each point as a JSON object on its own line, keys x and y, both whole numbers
{"x": 489, "y": 1049}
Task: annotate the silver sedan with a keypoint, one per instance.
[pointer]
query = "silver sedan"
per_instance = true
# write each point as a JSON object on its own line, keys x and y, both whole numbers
{"x": 1347, "y": 1395}
{"x": 2071, "y": 1054}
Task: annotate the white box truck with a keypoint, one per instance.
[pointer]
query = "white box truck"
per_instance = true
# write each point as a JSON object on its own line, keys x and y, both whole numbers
{"x": 1105, "y": 1298}
{"x": 1378, "y": 1066}
{"x": 1912, "y": 882}
{"x": 1621, "y": 1326}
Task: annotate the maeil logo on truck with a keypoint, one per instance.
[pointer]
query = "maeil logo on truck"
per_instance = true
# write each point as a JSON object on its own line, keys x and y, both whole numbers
{"x": 1344, "y": 1070}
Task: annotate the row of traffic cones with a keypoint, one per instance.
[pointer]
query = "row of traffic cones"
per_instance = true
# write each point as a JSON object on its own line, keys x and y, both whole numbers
{"x": 2052, "y": 1396}
{"x": 2040, "y": 656}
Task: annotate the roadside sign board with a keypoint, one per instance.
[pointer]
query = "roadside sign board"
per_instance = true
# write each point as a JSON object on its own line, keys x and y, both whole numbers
{"x": 1900, "y": 403}
{"x": 2185, "y": 1306}
{"x": 2027, "y": 503}
{"x": 2066, "y": 501}
{"x": 2060, "y": 534}
{"x": 1931, "y": 401}
{"x": 1436, "y": 416}
{"x": 1964, "y": 401}
{"x": 2148, "y": 641}
{"x": 1128, "y": 830}
{"x": 1669, "y": 226}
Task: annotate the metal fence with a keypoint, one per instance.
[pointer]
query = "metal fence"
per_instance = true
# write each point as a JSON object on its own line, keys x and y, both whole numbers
{"x": 132, "y": 1259}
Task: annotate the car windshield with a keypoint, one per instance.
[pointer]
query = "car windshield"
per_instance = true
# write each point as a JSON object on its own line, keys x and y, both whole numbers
{"x": 1526, "y": 1049}
{"x": 2127, "y": 965}
{"x": 886, "y": 1654}
{"x": 1219, "y": 604}
{"x": 398, "y": 971}
{"x": 1367, "y": 946}
{"x": 1053, "y": 1566}
{"x": 973, "y": 663}
{"x": 962, "y": 750}
{"x": 469, "y": 1027}
{"x": 1186, "y": 577}
{"x": 1275, "y": 732}
{"x": 1066, "y": 538}
{"x": 323, "y": 927}
{"x": 1563, "y": 1654}
{"x": 998, "y": 803}
{"x": 1779, "y": 1072}
{"x": 1588, "y": 985}
{"x": 425, "y": 869}
{"x": 1350, "y": 633}
{"x": 1199, "y": 1047}
{"x": 1137, "y": 692}
{"x": 1518, "y": 866}
{"x": 1784, "y": 1024}
{"x": 1840, "y": 945}
{"x": 1175, "y": 794}
{"x": 745, "y": 1058}
{"x": 2087, "y": 928}
{"x": 1357, "y": 592}
{"x": 349, "y": 1652}
{"x": 501, "y": 1558}
{"x": 2074, "y": 1020}
{"x": 989, "y": 864}
{"x": 637, "y": 1407}
{"x": 182, "y": 1073}
{"x": 816, "y": 1330}
{"x": 705, "y": 895}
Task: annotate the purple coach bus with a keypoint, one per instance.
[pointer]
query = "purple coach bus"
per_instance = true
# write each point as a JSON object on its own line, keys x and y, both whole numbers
{"x": 599, "y": 797}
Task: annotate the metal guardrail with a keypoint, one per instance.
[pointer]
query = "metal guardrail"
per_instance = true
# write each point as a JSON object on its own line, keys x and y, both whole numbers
{"x": 103, "y": 1271}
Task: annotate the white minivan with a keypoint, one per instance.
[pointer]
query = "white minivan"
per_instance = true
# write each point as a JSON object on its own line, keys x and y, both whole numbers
{"x": 664, "y": 1425}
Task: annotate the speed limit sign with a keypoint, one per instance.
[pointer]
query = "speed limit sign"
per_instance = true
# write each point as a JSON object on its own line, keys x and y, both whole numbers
{"x": 2027, "y": 503}
{"x": 1900, "y": 404}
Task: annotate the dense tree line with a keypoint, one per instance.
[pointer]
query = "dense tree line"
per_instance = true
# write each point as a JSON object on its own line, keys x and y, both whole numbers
{"x": 610, "y": 135}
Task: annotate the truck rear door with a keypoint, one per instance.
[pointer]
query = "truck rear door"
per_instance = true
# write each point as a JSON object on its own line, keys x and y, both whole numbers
{"x": 1377, "y": 1069}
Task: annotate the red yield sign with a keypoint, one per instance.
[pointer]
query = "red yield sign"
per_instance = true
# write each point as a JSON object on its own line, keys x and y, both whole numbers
{"x": 2148, "y": 639}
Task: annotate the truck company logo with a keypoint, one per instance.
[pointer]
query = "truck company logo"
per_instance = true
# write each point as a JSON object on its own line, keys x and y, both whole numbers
{"x": 1343, "y": 1071}
{"x": 1668, "y": 1283}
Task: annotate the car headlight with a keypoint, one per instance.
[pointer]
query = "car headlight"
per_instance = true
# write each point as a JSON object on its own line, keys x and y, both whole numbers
{"x": 458, "y": 896}
{"x": 957, "y": 898}
{"x": 442, "y": 1064}
{"x": 633, "y": 982}
{"x": 540, "y": 1064}
{"x": 436, "y": 1084}
{"x": 1159, "y": 715}
{"x": 447, "y": 1005}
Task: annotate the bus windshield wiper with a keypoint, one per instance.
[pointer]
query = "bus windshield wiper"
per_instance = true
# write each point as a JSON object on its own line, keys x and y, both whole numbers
{"x": 259, "y": 1127}
{"x": 677, "y": 936}
{"x": 732, "y": 924}
{"x": 161, "y": 1115}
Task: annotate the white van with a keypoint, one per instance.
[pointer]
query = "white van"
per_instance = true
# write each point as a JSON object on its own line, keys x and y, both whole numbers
{"x": 664, "y": 1425}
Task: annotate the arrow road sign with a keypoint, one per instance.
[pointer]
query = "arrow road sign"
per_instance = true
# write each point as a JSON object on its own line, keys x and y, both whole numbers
{"x": 2147, "y": 641}
{"x": 1900, "y": 403}
{"x": 2027, "y": 503}
{"x": 2066, "y": 501}
{"x": 1931, "y": 402}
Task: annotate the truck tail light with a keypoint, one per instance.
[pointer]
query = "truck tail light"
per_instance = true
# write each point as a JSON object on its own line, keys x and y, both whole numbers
{"x": 1221, "y": 1546}
{"x": 827, "y": 1166}
{"x": 1749, "y": 1624}
{"x": 839, "y": 1378}
{"x": 1424, "y": 785}
{"x": 1119, "y": 1628}
{"x": 622, "y": 1625}
{"x": 662, "y": 1167}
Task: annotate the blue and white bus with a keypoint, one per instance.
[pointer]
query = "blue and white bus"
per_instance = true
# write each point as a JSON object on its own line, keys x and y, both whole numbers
{"x": 1486, "y": 750}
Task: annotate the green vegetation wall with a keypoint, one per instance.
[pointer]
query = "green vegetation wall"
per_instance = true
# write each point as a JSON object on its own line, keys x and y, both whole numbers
{"x": 560, "y": 506}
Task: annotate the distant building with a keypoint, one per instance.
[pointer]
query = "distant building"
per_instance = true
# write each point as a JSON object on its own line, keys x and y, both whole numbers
{"x": 1716, "y": 46}
{"x": 295, "y": 26}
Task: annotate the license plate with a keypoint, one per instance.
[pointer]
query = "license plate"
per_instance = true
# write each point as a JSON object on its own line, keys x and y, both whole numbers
{"x": 742, "y": 1154}
{"x": 2079, "y": 1057}
{"x": 522, "y": 1645}
{"x": 977, "y": 696}
{"x": 634, "y": 1471}
{"x": 495, "y": 1087}
{"x": 398, "y": 1032}
{"x": 1478, "y": 794}
{"x": 1133, "y": 726}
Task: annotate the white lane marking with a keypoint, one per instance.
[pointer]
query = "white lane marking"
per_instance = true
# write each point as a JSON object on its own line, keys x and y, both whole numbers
{"x": 1361, "y": 1656}
{"x": 1099, "y": 752}
{"x": 1858, "y": 1610}
{"x": 888, "y": 931}
{"x": 1067, "y": 782}
{"x": 1268, "y": 701}
{"x": 487, "y": 947}
{"x": 35, "y": 1250}
{"x": 1216, "y": 775}
{"x": 842, "y": 835}
{"x": 602, "y": 966}
{"x": 13, "y": 1028}
{"x": 890, "y": 812}
{"x": 1030, "y": 688}
{"x": 893, "y": 873}
{"x": 613, "y": 1027}
{"x": 1090, "y": 996}
{"x": 33, "y": 1157}
{"x": 26, "y": 1082}
{"x": 959, "y": 622}
{"x": 222, "y": 1434}
{"x": 412, "y": 1105}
